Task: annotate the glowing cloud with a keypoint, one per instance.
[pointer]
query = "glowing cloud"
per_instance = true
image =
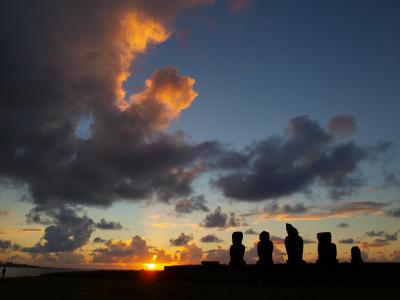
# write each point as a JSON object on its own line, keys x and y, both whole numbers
{"x": 170, "y": 90}
{"x": 136, "y": 33}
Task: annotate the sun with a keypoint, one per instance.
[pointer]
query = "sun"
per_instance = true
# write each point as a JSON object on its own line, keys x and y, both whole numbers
{"x": 150, "y": 266}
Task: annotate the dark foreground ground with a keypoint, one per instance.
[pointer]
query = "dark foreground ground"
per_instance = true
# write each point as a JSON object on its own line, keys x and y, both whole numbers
{"x": 373, "y": 281}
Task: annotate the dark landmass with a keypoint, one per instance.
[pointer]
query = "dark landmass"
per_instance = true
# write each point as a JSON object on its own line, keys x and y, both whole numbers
{"x": 344, "y": 281}
{"x": 14, "y": 265}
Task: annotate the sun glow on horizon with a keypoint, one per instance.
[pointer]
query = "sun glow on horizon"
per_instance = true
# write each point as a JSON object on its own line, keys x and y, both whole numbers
{"x": 150, "y": 266}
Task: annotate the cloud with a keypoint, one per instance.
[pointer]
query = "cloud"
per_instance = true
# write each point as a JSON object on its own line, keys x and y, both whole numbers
{"x": 395, "y": 213}
{"x": 251, "y": 255}
{"x": 391, "y": 237}
{"x": 341, "y": 126}
{"x": 390, "y": 179}
{"x": 342, "y": 225}
{"x": 282, "y": 166}
{"x": 250, "y": 231}
{"x": 60, "y": 258}
{"x": 382, "y": 239}
{"x": 135, "y": 252}
{"x": 104, "y": 225}
{"x": 396, "y": 255}
{"x": 181, "y": 240}
{"x": 16, "y": 258}
{"x": 278, "y": 256}
{"x": 277, "y": 240}
{"x": 190, "y": 254}
{"x": 349, "y": 209}
{"x": 347, "y": 241}
{"x": 374, "y": 233}
{"x": 70, "y": 258}
{"x": 67, "y": 231}
{"x": 297, "y": 208}
{"x": 120, "y": 251}
{"x": 189, "y": 205}
{"x": 220, "y": 219}
{"x": 377, "y": 243}
{"x": 6, "y": 245}
{"x": 54, "y": 83}
{"x": 210, "y": 238}
{"x": 99, "y": 240}
{"x": 14, "y": 231}
{"x": 317, "y": 212}
{"x": 31, "y": 230}
{"x": 166, "y": 88}
{"x": 221, "y": 255}
{"x": 306, "y": 241}
{"x": 135, "y": 249}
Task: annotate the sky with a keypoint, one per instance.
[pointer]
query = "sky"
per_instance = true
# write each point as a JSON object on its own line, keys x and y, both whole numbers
{"x": 138, "y": 134}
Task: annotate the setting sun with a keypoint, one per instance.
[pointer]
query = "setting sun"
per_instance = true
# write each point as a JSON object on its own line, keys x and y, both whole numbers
{"x": 150, "y": 266}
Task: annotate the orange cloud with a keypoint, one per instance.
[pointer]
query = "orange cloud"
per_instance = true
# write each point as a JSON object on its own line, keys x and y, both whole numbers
{"x": 170, "y": 90}
{"x": 137, "y": 253}
{"x": 132, "y": 253}
{"x": 339, "y": 210}
{"x": 165, "y": 225}
{"x": 31, "y": 230}
{"x": 15, "y": 231}
{"x": 136, "y": 33}
{"x": 190, "y": 254}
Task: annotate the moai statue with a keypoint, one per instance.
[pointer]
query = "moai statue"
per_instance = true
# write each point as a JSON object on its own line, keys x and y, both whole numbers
{"x": 237, "y": 251}
{"x": 294, "y": 246}
{"x": 326, "y": 249}
{"x": 356, "y": 258}
{"x": 265, "y": 248}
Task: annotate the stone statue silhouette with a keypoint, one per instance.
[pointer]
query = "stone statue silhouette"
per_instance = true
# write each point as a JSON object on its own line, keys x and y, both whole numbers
{"x": 265, "y": 248}
{"x": 237, "y": 251}
{"x": 356, "y": 258}
{"x": 326, "y": 249}
{"x": 294, "y": 246}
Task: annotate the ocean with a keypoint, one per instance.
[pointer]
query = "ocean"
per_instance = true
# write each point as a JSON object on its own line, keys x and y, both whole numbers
{"x": 29, "y": 272}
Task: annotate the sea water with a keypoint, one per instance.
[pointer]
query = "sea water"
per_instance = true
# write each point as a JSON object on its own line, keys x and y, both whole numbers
{"x": 29, "y": 272}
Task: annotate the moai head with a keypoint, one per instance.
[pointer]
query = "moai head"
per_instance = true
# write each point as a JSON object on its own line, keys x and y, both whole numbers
{"x": 324, "y": 237}
{"x": 291, "y": 230}
{"x": 264, "y": 236}
{"x": 355, "y": 252}
{"x": 237, "y": 237}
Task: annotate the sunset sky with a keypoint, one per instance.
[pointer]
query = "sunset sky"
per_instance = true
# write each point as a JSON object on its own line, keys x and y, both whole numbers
{"x": 138, "y": 132}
